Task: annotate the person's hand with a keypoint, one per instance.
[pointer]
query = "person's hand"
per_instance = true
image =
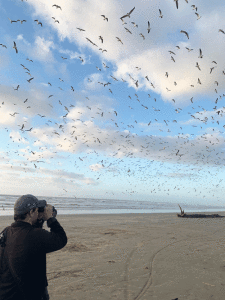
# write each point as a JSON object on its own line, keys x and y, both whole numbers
{"x": 47, "y": 212}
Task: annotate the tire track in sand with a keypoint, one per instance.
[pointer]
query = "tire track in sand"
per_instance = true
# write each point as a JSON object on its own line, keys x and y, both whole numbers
{"x": 149, "y": 280}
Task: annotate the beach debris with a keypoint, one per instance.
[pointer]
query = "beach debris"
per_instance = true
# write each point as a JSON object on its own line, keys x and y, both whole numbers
{"x": 183, "y": 215}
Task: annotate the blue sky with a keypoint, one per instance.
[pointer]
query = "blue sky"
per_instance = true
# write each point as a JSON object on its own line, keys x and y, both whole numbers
{"x": 112, "y": 124}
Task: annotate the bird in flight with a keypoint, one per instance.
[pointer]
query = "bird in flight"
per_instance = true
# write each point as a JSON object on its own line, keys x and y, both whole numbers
{"x": 29, "y": 80}
{"x": 198, "y": 16}
{"x": 3, "y": 45}
{"x": 128, "y": 14}
{"x": 119, "y": 40}
{"x": 55, "y": 20}
{"x": 21, "y": 21}
{"x": 221, "y": 30}
{"x": 15, "y": 113}
{"x": 105, "y": 18}
{"x": 127, "y": 30}
{"x": 185, "y": 32}
{"x": 80, "y": 29}
{"x": 200, "y": 54}
{"x": 160, "y": 13}
{"x": 148, "y": 27}
{"x": 57, "y": 6}
{"x": 135, "y": 25}
{"x": 12, "y": 21}
{"x": 38, "y": 22}
{"x": 176, "y": 3}
{"x": 14, "y": 47}
{"x": 197, "y": 66}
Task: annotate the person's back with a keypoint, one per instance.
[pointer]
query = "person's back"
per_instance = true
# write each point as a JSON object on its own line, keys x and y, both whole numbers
{"x": 24, "y": 255}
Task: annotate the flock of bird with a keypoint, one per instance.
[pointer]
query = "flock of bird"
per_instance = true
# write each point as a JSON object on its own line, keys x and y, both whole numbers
{"x": 124, "y": 142}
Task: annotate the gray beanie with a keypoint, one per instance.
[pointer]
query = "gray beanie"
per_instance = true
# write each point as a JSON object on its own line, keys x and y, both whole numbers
{"x": 27, "y": 202}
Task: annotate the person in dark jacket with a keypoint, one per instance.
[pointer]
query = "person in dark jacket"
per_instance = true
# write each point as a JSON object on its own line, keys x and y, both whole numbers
{"x": 23, "y": 258}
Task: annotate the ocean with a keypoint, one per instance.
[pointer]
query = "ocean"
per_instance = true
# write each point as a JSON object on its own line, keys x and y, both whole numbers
{"x": 69, "y": 205}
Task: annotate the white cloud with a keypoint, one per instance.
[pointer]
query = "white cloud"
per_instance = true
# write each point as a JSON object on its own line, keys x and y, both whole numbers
{"x": 95, "y": 167}
{"x": 151, "y": 54}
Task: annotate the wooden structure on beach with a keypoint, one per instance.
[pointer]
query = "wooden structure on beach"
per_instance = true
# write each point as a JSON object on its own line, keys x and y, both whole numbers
{"x": 183, "y": 215}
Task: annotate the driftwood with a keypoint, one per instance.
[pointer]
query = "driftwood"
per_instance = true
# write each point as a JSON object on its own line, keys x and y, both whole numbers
{"x": 183, "y": 215}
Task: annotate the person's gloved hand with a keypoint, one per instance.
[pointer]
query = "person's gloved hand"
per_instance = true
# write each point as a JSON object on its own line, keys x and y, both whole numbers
{"x": 54, "y": 214}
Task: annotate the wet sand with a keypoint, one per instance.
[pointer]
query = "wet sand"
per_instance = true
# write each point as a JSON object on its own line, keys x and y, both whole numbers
{"x": 137, "y": 256}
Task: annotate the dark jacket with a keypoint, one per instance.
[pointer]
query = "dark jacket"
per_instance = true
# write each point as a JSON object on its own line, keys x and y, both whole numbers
{"x": 26, "y": 248}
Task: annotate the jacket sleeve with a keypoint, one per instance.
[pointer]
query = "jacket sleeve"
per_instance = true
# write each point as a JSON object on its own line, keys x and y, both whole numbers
{"x": 54, "y": 240}
{"x": 39, "y": 223}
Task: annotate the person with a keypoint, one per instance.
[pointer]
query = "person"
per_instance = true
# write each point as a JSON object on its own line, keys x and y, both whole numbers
{"x": 24, "y": 248}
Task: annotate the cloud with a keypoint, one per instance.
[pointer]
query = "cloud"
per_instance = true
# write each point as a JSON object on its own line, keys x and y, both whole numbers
{"x": 25, "y": 103}
{"x": 95, "y": 167}
{"x": 152, "y": 53}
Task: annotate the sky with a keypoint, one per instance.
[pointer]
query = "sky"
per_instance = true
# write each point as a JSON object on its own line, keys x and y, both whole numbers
{"x": 95, "y": 102}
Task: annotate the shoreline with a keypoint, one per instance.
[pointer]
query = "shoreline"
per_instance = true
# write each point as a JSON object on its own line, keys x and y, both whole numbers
{"x": 137, "y": 256}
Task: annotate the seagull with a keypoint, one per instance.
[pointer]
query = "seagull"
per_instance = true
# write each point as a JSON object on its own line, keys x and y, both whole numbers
{"x": 176, "y": 3}
{"x": 211, "y": 69}
{"x": 197, "y": 66}
{"x": 160, "y": 14}
{"x": 12, "y": 21}
{"x": 105, "y": 18}
{"x": 199, "y": 81}
{"x": 3, "y": 45}
{"x": 38, "y": 22}
{"x": 148, "y": 29}
{"x": 101, "y": 38}
{"x": 119, "y": 40}
{"x": 221, "y": 30}
{"x": 14, "y": 47}
{"x": 128, "y": 14}
{"x": 57, "y": 6}
{"x": 29, "y": 80}
{"x": 200, "y": 54}
{"x": 127, "y": 30}
{"x": 63, "y": 57}
{"x": 167, "y": 74}
{"x": 185, "y": 32}
{"x": 15, "y": 113}
{"x": 55, "y": 20}
{"x": 80, "y": 29}
{"x": 21, "y": 21}
{"x": 72, "y": 88}
{"x": 29, "y": 59}
{"x": 198, "y": 16}
{"x": 172, "y": 58}
{"x": 17, "y": 88}
{"x": 142, "y": 36}
{"x": 105, "y": 65}
{"x": 135, "y": 25}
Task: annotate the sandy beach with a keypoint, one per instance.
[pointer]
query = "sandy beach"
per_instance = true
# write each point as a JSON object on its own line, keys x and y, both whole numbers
{"x": 137, "y": 256}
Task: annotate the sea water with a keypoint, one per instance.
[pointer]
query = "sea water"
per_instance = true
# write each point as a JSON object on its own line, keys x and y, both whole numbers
{"x": 67, "y": 205}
